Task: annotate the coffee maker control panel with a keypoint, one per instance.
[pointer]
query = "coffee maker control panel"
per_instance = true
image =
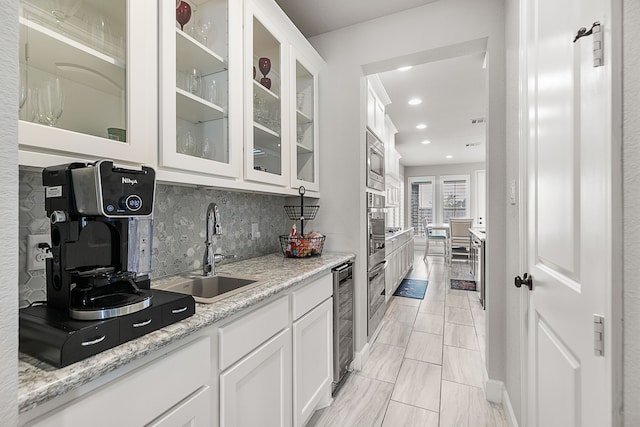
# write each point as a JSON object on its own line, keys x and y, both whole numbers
{"x": 106, "y": 190}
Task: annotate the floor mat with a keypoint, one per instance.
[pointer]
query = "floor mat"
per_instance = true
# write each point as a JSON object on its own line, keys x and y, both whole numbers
{"x": 463, "y": 285}
{"x": 412, "y": 288}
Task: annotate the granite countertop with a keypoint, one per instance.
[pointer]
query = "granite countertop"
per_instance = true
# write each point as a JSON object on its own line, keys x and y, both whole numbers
{"x": 397, "y": 233}
{"x": 39, "y": 382}
{"x": 479, "y": 232}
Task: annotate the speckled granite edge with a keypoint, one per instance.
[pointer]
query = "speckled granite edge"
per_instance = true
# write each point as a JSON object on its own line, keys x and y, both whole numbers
{"x": 40, "y": 382}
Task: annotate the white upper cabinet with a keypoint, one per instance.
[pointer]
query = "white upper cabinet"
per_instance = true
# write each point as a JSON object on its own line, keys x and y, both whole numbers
{"x": 281, "y": 104}
{"x": 88, "y": 80}
{"x": 200, "y": 86}
{"x": 304, "y": 153}
{"x": 267, "y": 91}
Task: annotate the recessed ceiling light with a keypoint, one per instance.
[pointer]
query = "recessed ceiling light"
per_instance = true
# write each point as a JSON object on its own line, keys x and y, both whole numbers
{"x": 415, "y": 101}
{"x": 406, "y": 68}
{"x": 449, "y": 156}
{"x": 421, "y": 126}
{"x": 425, "y": 142}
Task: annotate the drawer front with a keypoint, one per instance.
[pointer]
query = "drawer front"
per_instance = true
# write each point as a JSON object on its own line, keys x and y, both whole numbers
{"x": 311, "y": 295}
{"x": 246, "y": 333}
{"x": 138, "y": 324}
{"x": 88, "y": 342}
{"x": 177, "y": 310}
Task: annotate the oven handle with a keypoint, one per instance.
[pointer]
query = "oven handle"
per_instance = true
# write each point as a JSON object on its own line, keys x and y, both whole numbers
{"x": 377, "y": 269}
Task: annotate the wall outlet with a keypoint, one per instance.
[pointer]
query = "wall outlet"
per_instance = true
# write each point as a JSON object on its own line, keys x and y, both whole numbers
{"x": 255, "y": 232}
{"x": 36, "y": 255}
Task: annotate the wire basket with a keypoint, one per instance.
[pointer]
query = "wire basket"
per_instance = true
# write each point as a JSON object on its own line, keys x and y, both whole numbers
{"x": 308, "y": 212}
{"x": 300, "y": 247}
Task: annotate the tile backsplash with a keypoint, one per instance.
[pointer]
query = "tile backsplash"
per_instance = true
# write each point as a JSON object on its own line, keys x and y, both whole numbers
{"x": 178, "y": 228}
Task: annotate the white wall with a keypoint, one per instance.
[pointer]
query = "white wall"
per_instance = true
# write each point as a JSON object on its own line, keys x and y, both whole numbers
{"x": 513, "y": 316}
{"x": 346, "y": 51}
{"x": 631, "y": 176}
{"x": 9, "y": 215}
{"x": 437, "y": 171}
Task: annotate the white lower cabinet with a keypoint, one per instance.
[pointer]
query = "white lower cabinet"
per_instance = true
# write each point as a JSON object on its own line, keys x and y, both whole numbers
{"x": 163, "y": 392}
{"x": 257, "y": 390}
{"x": 399, "y": 261}
{"x": 312, "y": 361}
{"x": 194, "y": 411}
{"x": 270, "y": 366}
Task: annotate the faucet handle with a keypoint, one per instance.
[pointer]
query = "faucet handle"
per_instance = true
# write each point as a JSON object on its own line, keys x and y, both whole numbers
{"x": 217, "y": 224}
{"x": 219, "y": 257}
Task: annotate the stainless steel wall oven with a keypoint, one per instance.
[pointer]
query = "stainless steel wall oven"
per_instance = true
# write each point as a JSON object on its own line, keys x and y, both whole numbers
{"x": 375, "y": 261}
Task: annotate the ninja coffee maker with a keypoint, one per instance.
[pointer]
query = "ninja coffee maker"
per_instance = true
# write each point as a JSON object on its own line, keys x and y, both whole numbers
{"x": 98, "y": 264}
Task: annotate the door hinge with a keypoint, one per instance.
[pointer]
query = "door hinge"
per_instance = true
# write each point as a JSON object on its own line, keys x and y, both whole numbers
{"x": 598, "y": 335}
{"x": 598, "y": 47}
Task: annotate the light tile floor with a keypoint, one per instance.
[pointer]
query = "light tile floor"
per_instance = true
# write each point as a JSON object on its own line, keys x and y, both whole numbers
{"x": 426, "y": 367}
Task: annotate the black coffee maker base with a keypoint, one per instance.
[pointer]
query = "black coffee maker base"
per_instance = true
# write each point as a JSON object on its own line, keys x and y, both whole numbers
{"x": 52, "y": 336}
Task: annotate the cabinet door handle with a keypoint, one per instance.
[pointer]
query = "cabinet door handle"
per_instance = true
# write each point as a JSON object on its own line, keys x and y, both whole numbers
{"x": 141, "y": 324}
{"x": 92, "y": 342}
{"x": 178, "y": 310}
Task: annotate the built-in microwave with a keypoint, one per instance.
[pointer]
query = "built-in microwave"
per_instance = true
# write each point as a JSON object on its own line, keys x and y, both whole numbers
{"x": 375, "y": 162}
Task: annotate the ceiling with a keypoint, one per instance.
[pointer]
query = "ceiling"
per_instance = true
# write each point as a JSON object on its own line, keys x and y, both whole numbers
{"x": 453, "y": 93}
{"x": 453, "y": 90}
{"x": 313, "y": 17}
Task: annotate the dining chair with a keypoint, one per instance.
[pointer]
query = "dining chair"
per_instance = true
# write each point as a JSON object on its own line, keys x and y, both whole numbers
{"x": 460, "y": 238}
{"x": 435, "y": 236}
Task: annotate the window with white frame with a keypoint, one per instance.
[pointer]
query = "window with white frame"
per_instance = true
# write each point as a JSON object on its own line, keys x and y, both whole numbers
{"x": 454, "y": 197}
{"x": 421, "y": 193}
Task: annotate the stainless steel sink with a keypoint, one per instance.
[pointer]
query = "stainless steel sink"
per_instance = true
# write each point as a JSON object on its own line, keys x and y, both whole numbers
{"x": 208, "y": 289}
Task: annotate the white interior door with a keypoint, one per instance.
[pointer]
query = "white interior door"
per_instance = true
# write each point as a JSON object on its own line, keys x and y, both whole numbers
{"x": 569, "y": 213}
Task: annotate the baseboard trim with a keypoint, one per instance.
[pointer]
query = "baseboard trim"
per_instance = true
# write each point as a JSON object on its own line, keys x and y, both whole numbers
{"x": 508, "y": 410}
{"x": 361, "y": 357}
{"x": 494, "y": 390}
{"x": 497, "y": 393}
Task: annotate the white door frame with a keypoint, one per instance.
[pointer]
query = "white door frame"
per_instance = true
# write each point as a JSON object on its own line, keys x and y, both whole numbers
{"x": 616, "y": 321}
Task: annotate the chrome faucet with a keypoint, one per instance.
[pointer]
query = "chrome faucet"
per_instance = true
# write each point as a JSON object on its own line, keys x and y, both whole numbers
{"x": 214, "y": 227}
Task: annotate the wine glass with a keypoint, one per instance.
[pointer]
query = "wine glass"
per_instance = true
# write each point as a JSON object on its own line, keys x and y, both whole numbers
{"x": 204, "y": 31}
{"x": 22, "y": 90}
{"x": 264, "y": 64}
{"x": 195, "y": 82}
{"x": 51, "y": 101}
{"x": 183, "y": 13}
{"x": 101, "y": 33}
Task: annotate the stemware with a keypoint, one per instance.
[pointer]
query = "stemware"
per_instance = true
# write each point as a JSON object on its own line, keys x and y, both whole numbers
{"x": 195, "y": 82}
{"x": 204, "y": 31}
{"x": 101, "y": 33}
{"x": 51, "y": 101}
{"x": 264, "y": 64}
{"x": 22, "y": 90}
{"x": 183, "y": 13}
{"x": 212, "y": 92}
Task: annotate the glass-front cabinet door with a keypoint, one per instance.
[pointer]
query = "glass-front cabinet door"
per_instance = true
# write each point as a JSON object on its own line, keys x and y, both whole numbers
{"x": 198, "y": 80}
{"x": 87, "y": 72}
{"x": 304, "y": 155}
{"x": 266, "y": 106}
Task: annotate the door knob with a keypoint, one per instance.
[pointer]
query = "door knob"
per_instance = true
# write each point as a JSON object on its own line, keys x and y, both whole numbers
{"x": 524, "y": 280}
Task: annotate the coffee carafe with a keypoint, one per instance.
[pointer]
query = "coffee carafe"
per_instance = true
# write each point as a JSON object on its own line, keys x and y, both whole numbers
{"x": 94, "y": 269}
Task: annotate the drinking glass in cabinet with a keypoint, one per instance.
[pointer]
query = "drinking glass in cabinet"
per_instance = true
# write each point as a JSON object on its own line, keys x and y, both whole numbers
{"x": 51, "y": 101}
{"x": 75, "y": 46}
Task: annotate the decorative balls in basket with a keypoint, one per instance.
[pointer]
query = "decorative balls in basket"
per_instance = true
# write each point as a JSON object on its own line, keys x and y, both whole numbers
{"x": 300, "y": 247}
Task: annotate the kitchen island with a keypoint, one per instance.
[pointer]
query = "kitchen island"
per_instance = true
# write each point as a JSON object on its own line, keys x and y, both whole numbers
{"x": 40, "y": 383}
